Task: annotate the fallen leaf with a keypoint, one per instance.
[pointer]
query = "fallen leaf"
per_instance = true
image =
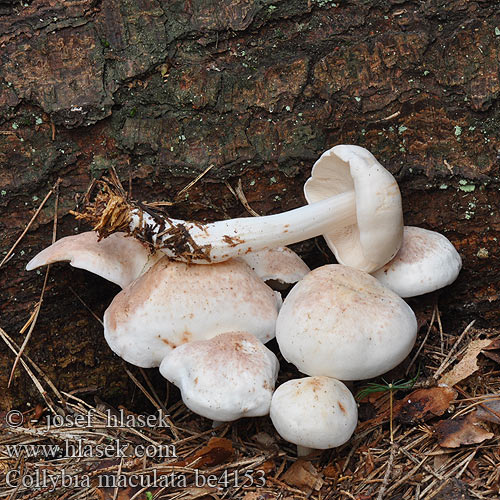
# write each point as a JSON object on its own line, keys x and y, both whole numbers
{"x": 452, "y": 433}
{"x": 467, "y": 365}
{"x": 492, "y": 355}
{"x": 268, "y": 466}
{"x": 494, "y": 346}
{"x": 264, "y": 439}
{"x": 441, "y": 460}
{"x": 253, "y": 495}
{"x": 200, "y": 493}
{"x": 39, "y": 411}
{"x": 331, "y": 472}
{"x": 217, "y": 451}
{"x": 304, "y": 476}
{"x": 121, "y": 494}
{"x": 489, "y": 411}
{"x": 423, "y": 404}
{"x": 420, "y": 405}
{"x": 473, "y": 468}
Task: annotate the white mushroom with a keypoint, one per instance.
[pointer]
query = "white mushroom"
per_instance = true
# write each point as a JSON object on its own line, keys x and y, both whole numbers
{"x": 174, "y": 303}
{"x": 426, "y": 262}
{"x": 118, "y": 258}
{"x": 376, "y": 235}
{"x": 225, "y": 378}
{"x": 278, "y": 267}
{"x": 342, "y": 323}
{"x": 356, "y": 204}
{"x": 314, "y": 413}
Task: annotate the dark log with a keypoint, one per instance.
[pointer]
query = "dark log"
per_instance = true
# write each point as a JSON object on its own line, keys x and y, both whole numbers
{"x": 160, "y": 90}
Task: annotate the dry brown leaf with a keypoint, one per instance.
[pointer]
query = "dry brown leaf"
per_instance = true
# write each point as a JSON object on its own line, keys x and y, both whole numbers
{"x": 304, "y": 476}
{"x": 492, "y": 355}
{"x": 489, "y": 411}
{"x": 468, "y": 364}
{"x": 217, "y": 451}
{"x": 264, "y": 439}
{"x": 494, "y": 346}
{"x": 121, "y": 494}
{"x": 441, "y": 460}
{"x": 423, "y": 404}
{"x": 268, "y": 466}
{"x": 200, "y": 493}
{"x": 420, "y": 405}
{"x": 331, "y": 472}
{"x": 461, "y": 431}
{"x": 254, "y": 495}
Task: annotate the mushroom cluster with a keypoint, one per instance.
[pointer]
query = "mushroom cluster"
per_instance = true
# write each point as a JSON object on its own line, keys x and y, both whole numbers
{"x": 205, "y": 326}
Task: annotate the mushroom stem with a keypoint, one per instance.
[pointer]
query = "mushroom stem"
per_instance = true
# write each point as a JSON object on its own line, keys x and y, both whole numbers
{"x": 303, "y": 451}
{"x": 217, "y": 423}
{"x": 223, "y": 240}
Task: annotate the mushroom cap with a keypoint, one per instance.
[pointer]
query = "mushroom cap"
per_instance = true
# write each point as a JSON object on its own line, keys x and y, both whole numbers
{"x": 376, "y": 237}
{"x": 342, "y": 323}
{"x": 224, "y": 378}
{"x": 425, "y": 262}
{"x": 174, "y": 303}
{"x": 281, "y": 266}
{"x": 117, "y": 258}
{"x": 315, "y": 412}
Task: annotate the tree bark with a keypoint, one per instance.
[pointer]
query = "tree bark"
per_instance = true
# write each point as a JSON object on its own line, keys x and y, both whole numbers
{"x": 161, "y": 90}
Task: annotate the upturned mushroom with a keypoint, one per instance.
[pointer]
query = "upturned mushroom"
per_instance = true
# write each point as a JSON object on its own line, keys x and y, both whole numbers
{"x": 357, "y": 205}
{"x": 118, "y": 258}
{"x": 425, "y": 262}
{"x": 314, "y": 413}
{"x": 174, "y": 303}
{"x": 376, "y": 234}
{"x": 342, "y": 323}
{"x": 278, "y": 267}
{"x": 224, "y": 378}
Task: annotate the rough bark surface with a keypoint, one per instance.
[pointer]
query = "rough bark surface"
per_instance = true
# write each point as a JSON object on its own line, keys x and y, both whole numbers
{"x": 161, "y": 90}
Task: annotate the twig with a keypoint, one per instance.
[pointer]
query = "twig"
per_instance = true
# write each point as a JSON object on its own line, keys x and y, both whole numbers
{"x": 440, "y": 329}
{"x": 37, "y": 383}
{"x": 241, "y": 196}
{"x": 152, "y": 389}
{"x": 86, "y": 306}
{"x": 34, "y": 317}
{"x": 388, "y": 471}
{"x": 152, "y": 400}
{"x": 194, "y": 181}
{"x": 444, "y": 364}
{"x": 423, "y": 342}
{"x": 26, "y": 229}
{"x": 118, "y": 472}
{"x": 13, "y": 345}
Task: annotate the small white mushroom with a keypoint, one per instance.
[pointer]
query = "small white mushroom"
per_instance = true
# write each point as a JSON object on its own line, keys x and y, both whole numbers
{"x": 118, "y": 258}
{"x": 174, "y": 303}
{"x": 225, "y": 378}
{"x": 426, "y": 262}
{"x": 314, "y": 413}
{"x": 356, "y": 203}
{"x": 278, "y": 267}
{"x": 342, "y": 323}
